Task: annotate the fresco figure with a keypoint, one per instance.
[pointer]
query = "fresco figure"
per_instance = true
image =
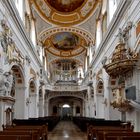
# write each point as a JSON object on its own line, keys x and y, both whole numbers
{"x": 65, "y": 5}
{"x": 65, "y": 41}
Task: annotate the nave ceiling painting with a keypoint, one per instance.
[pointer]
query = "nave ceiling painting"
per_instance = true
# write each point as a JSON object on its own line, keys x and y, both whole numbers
{"x": 65, "y": 39}
{"x": 65, "y": 12}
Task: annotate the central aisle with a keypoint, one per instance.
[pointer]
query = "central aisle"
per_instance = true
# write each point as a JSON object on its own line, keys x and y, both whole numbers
{"x": 66, "y": 130}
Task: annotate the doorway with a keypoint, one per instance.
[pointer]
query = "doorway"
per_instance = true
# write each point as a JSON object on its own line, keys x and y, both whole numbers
{"x": 66, "y": 112}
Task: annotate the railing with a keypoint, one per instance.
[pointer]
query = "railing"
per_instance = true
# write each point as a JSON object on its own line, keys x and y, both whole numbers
{"x": 66, "y": 87}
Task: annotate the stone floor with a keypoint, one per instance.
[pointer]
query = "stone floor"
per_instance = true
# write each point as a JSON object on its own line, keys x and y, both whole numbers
{"x": 66, "y": 130}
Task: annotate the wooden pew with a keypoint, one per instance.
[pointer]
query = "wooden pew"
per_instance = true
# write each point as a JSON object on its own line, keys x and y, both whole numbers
{"x": 41, "y": 131}
{"x": 82, "y": 122}
{"x": 16, "y": 137}
{"x": 51, "y": 121}
{"x": 34, "y": 134}
{"x": 93, "y": 130}
{"x": 100, "y": 132}
{"x": 121, "y": 136}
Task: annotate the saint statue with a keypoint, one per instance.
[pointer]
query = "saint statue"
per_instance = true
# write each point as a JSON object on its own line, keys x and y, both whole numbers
{"x": 9, "y": 79}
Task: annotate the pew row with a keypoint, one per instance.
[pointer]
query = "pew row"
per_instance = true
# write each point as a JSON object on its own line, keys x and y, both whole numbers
{"x": 29, "y": 129}
{"x": 118, "y": 135}
{"x": 51, "y": 121}
{"x": 32, "y": 132}
{"x": 96, "y": 132}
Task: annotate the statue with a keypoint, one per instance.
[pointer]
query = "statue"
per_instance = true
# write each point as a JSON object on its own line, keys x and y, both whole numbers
{"x": 2, "y": 83}
{"x": 9, "y": 81}
{"x": 6, "y": 40}
{"x": 120, "y": 35}
{"x": 6, "y": 36}
{"x": 123, "y": 35}
{"x": 6, "y": 83}
{"x": 104, "y": 60}
{"x": 117, "y": 98}
{"x": 11, "y": 53}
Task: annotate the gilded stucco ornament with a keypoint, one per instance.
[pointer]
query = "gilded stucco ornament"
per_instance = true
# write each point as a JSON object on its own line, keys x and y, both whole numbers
{"x": 120, "y": 102}
{"x": 6, "y": 83}
{"x": 11, "y": 52}
{"x": 66, "y": 41}
{"x": 65, "y": 12}
{"x": 124, "y": 58}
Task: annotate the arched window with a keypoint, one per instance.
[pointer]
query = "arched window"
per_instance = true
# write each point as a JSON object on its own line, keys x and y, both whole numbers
{"x": 77, "y": 109}
{"x": 104, "y": 7}
{"x": 98, "y": 34}
{"x": 54, "y": 109}
{"x": 33, "y": 32}
{"x": 86, "y": 64}
{"x": 66, "y": 106}
{"x": 19, "y": 6}
{"x": 100, "y": 87}
{"x": 112, "y": 8}
{"x": 27, "y": 6}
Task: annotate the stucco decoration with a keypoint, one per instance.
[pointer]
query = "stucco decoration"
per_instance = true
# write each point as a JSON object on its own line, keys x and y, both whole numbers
{"x": 73, "y": 41}
{"x": 78, "y": 94}
{"x": 6, "y": 83}
{"x": 65, "y": 12}
{"x": 11, "y": 52}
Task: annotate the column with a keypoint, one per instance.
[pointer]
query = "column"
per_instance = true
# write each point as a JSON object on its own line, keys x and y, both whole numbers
{"x": 74, "y": 110}
{"x": 20, "y": 104}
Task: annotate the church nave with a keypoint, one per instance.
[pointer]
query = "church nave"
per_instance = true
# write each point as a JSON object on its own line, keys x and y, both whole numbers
{"x": 66, "y": 130}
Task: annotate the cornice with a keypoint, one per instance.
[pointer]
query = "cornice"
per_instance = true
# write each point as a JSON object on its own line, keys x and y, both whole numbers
{"x": 10, "y": 6}
{"x": 120, "y": 11}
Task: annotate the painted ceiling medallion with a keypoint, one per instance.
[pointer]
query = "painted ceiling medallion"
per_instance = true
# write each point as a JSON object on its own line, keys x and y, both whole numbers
{"x": 65, "y": 5}
{"x": 65, "y": 41}
{"x": 65, "y": 12}
{"x": 65, "y": 44}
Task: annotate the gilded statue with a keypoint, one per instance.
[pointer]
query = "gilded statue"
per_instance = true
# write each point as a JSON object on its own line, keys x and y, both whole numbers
{"x": 8, "y": 45}
{"x": 9, "y": 79}
{"x": 6, "y": 40}
{"x": 6, "y": 83}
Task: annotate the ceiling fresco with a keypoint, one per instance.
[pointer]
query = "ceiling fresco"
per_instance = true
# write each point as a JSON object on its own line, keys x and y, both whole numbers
{"x": 65, "y": 44}
{"x": 65, "y": 41}
{"x": 64, "y": 12}
{"x": 77, "y": 31}
{"x": 65, "y": 5}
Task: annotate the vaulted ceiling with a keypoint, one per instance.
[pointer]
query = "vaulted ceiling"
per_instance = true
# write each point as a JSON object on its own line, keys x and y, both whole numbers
{"x": 66, "y": 28}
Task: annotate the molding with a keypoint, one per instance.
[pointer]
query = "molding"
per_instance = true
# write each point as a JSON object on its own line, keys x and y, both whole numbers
{"x": 10, "y": 6}
{"x": 78, "y": 94}
{"x": 119, "y": 14}
{"x": 7, "y": 99}
{"x": 66, "y": 88}
{"x": 137, "y": 44}
{"x": 135, "y": 104}
{"x": 120, "y": 11}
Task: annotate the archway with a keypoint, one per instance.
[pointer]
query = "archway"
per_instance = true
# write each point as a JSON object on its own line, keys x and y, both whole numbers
{"x": 100, "y": 99}
{"x": 32, "y": 99}
{"x": 41, "y": 103}
{"x": 18, "y": 92}
{"x": 65, "y": 107}
{"x": 66, "y": 112}
{"x": 8, "y": 112}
